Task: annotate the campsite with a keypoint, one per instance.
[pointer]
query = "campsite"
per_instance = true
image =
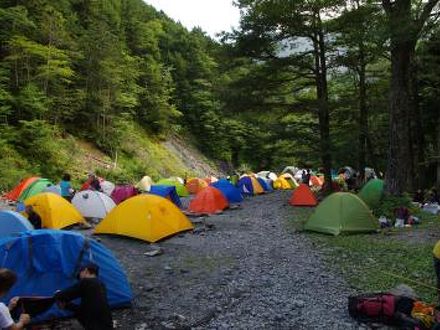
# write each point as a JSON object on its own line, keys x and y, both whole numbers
{"x": 221, "y": 164}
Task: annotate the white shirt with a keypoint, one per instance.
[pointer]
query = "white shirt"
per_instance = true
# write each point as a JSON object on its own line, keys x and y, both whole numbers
{"x": 6, "y": 320}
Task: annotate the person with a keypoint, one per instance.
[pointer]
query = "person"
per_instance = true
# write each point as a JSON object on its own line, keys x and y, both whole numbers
{"x": 66, "y": 187}
{"x": 94, "y": 182}
{"x": 402, "y": 215}
{"x": 7, "y": 280}
{"x": 418, "y": 196}
{"x": 94, "y": 311}
{"x": 33, "y": 217}
{"x": 307, "y": 178}
{"x": 304, "y": 177}
{"x": 434, "y": 197}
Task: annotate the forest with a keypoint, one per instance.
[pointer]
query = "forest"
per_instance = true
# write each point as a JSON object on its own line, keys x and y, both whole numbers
{"x": 318, "y": 84}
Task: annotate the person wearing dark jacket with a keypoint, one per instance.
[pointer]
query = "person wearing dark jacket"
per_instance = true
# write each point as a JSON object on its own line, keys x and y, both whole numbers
{"x": 33, "y": 217}
{"x": 93, "y": 312}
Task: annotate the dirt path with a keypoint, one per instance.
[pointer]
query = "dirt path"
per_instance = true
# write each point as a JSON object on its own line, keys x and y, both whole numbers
{"x": 248, "y": 272}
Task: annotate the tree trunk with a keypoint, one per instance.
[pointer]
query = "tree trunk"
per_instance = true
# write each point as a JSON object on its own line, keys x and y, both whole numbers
{"x": 363, "y": 117}
{"x": 438, "y": 155}
{"x": 399, "y": 157}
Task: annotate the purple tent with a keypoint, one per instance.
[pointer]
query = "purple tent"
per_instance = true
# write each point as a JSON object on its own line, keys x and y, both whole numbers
{"x": 121, "y": 193}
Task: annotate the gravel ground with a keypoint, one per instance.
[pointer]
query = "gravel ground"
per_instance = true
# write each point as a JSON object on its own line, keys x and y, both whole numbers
{"x": 241, "y": 269}
{"x": 247, "y": 272}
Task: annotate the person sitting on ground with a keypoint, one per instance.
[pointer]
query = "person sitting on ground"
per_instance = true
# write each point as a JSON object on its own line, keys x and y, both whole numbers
{"x": 66, "y": 187}
{"x": 33, "y": 217}
{"x": 7, "y": 280}
{"x": 402, "y": 215}
{"x": 94, "y": 311}
{"x": 94, "y": 182}
{"x": 434, "y": 197}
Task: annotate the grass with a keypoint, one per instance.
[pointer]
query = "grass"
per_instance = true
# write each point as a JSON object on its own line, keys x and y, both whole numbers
{"x": 379, "y": 262}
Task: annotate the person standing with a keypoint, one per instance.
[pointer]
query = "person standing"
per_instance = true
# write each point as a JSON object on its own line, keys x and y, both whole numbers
{"x": 7, "y": 280}
{"x": 66, "y": 187}
{"x": 94, "y": 311}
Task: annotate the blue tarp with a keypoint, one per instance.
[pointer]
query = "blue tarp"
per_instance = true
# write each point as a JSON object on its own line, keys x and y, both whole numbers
{"x": 12, "y": 223}
{"x": 229, "y": 190}
{"x": 166, "y": 191}
{"x": 245, "y": 186}
{"x": 48, "y": 260}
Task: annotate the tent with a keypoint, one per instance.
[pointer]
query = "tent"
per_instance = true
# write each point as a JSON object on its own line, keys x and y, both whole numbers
{"x": 290, "y": 179}
{"x": 194, "y": 185}
{"x": 54, "y": 210}
{"x": 177, "y": 179}
{"x": 12, "y": 223}
{"x": 316, "y": 181}
{"x": 265, "y": 184}
{"x": 208, "y": 201}
{"x": 303, "y": 196}
{"x": 180, "y": 188}
{"x": 268, "y": 175}
{"x": 282, "y": 184}
{"x": 53, "y": 189}
{"x": 168, "y": 192}
{"x": 145, "y": 184}
{"x": 107, "y": 187}
{"x": 210, "y": 179}
{"x": 34, "y": 188}
{"x": 121, "y": 193}
{"x": 18, "y": 189}
{"x": 146, "y": 217}
{"x": 49, "y": 260}
{"x": 371, "y": 193}
{"x": 342, "y": 213}
{"x": 290, "y": 169}
{"x": 93, "y": 204}
{"x": 231, "y": 192}
{"x": 249, "y": 185}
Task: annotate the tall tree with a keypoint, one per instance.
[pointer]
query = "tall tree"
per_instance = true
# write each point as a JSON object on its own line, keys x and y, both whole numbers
{"x": 405, "y": 21}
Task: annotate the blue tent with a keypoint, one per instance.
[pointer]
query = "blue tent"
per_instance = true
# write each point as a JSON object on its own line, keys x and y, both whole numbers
{"x": 245, "y": 186}
{"x": 12, "y": 223}
{"x": 265, "y": 184}
{"x": 48, "y": 260}
{"x": 229, "y": 190}
{"x": 166, "y": 191}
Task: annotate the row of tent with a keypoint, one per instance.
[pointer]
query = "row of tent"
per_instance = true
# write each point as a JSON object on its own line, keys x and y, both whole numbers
{"x": 341, "y": 212}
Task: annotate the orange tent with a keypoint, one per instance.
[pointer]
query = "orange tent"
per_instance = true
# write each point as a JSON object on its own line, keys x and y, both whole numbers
{"x": 303, "y": 196}
{"x": 316, "y": 181}
{"x": 14, "y": 193}
{"x": 195, "y": 185}
{"x": 208, "y": 201}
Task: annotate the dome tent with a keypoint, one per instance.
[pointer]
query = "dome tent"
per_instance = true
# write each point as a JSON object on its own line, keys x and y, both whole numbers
{"x": 208, "y": 201}
{"x": 342, "y": 213}
{"x": 36, "y": 187}
{"x": 48, "y": 260}
{"x": 146, "y": 217}
{"x": 93, "y": 204}
{"x": 18, "y": 189}
{"x": 303, "y": 196}
{"x": 12, "y": 223}
{"x": 229, "y": 190}
{"x": 54, "y": 210}
{"x": 145, "y": 184}
{"x": 371, "y": 193}
{"x": 167, "y": 192}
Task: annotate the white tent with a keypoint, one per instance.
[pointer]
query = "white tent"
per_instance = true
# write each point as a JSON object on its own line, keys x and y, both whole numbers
{"x": 53, "y": 189}
{"x": 107, "y": 187}
{"x": 93, "y": 204}
{"x": 145, "y": 184}
{"x": 268, "y": 175}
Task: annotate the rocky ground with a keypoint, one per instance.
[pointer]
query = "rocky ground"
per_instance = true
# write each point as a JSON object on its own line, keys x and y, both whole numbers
{"x": 246, "y": 271}
{"x": 243, "y": 269}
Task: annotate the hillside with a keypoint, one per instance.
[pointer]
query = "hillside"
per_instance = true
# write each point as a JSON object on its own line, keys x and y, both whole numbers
{"x": 138, "y": 154}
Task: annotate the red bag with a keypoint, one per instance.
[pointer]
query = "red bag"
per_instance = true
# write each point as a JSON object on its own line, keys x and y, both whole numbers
{"x": 379, "y": 307}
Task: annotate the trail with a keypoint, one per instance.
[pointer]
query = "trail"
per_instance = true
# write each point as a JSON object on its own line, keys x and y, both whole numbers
{"x": 248, "y": 272}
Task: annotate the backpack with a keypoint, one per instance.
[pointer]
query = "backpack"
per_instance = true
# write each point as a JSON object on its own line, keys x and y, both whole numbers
{"x": 378, "y": 307}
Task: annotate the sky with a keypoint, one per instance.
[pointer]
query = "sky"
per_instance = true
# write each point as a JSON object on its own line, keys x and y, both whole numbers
{"x": 213, "y": 16}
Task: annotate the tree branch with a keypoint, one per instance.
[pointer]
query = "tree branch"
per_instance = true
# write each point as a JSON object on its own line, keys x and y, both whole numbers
{"x": 426, "y": 13}
{"x": 386, "y": 4}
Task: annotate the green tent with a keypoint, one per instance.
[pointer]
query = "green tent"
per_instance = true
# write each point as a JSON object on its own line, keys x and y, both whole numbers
{"x": 342, "y": 213}
{"x": 180, "y": 188}
{"x": 371, "y": 193}
{"x": 34, "y": 188}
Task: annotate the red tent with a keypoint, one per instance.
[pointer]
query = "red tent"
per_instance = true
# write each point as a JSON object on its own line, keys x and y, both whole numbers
{"x": 18, "y": 189}
{"x": 303, "y": 196}
{"x": 209, "y": 200}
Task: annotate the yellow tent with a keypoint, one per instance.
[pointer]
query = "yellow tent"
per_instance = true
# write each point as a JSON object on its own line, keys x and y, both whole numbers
{"x": 258, "y": 189}
{"x": 290, "y": 180}
{"x": 146, "y": 217}
{"x": 145, "y": 184}
{"x": 282, "y": 184}
{"x": 55, "y": 211}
